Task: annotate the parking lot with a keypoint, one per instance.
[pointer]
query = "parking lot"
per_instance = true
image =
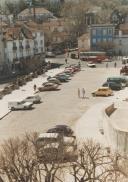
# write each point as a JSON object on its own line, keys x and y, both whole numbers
{"x": 59, "y": 107}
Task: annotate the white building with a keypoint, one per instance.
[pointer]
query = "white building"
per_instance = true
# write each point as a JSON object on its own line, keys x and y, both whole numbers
{"x": 84, "y": 42}
{"x": 22, "y": 44}
{"x": 121, "y": 40}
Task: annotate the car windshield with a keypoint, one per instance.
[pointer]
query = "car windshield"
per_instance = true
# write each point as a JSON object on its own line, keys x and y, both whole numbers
{"x": 22, "y": 102}
{"x": 29, "y": 97}
{"x": 103, "y": 89}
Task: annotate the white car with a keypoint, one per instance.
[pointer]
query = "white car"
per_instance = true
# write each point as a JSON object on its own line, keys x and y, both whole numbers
{"x": 35, "y": 99}
{"x": 50, "y": 54}
{"x": 91, "y": 64}
{"x": 52, "y": 145}
{"x": 19, "y": 105}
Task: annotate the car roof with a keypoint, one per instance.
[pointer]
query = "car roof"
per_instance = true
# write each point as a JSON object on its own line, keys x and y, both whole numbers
{"x": 48, "y": 135}
{"x": 103, "y": 88}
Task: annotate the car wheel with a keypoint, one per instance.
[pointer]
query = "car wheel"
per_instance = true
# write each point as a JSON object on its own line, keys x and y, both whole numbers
{"x": 12, "y": 108}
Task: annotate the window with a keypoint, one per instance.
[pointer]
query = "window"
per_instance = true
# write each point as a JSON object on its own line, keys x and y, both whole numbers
{"x": 35, "y": 42}
{"x": 109, "y": 31}
{"x": 98, "y": 40}
{"x": 94, "y": 32}
{"x": 120, "y": 42}
{"x": 104, "y": 39}
{"x": 110, "y": 39}
{"x": 98, "y": 31}
{"x": 93, "y": 41}
{"x": 14, "y": 46}
{"x": 41, "y": 33}
{"x": 20, "y": 46}
{"x": 104, "y": 31}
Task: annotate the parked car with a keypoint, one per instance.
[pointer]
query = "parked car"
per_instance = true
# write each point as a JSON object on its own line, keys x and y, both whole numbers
{"x": 62, "y": 129}
{"x": 119, "y": 79}
{"x": 103, "y": 91}
{"x": 1, "y": 94}
{"x": 91, "y": 65}
{"x": 50, "y": 54}
{"x": 61, "y": 78}
{"x": 63, "y": 74}
{"x": 68, "y": 72}
{"x": 53, "y": 80}
{"x": 19, "y": 105}
{"x": 7, "y": 90}
{"x": 48, "y": 87}
{"x": 35, "y": 99}
{"x": 113, "y": 85}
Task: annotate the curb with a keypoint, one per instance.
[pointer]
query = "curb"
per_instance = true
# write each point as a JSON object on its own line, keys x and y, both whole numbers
{"x": 5, "y": 115}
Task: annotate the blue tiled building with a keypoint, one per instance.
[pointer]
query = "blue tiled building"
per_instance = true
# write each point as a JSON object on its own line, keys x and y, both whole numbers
{"x": 101, "y": 33}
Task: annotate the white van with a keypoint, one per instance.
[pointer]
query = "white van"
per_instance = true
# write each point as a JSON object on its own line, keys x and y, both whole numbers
{"x": 19, "y": 105}
{"x": 54, "y": 146}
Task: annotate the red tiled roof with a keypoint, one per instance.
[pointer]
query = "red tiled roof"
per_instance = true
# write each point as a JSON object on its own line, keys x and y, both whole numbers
{"x": 13, "y": 33}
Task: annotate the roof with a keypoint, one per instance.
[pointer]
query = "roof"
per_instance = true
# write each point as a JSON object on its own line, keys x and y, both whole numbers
{"x": 13, "y": 33}
{"x": 26, "y": 11}
{"x": 48, "y": 135}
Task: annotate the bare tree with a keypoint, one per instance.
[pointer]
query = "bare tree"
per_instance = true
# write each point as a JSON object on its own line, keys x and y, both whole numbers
{"x": 96, "y": 164}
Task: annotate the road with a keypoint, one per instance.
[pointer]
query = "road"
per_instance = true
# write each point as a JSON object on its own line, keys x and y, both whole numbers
{"x": 58, "y": 107}
{"x": 61, "y": 59}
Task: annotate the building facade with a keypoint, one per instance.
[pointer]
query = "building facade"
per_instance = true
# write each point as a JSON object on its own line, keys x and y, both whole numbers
{"x": 84, "y": 42}
{"x": 22, "y": 45}
{"x": 121, "y": 40}
{"x": 101, "y": 34}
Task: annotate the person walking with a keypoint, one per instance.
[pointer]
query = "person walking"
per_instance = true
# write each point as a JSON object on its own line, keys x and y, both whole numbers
{"x": 66, "y": 61}
{"x": 106, "y": 65}
{"x": 34, "y": 87}
{"x": 78, "y": 93}
{"x": 83, "y": 92}
{"x": 115, "y": 64}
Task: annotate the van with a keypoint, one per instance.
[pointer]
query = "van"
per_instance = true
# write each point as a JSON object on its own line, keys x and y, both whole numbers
{"x": 55, "y": 146}
{"x": 118, "y": 79}
{"x": 19, "y": 105}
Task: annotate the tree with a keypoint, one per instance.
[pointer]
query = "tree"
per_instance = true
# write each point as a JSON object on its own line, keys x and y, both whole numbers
{"x": 95, "y": 163}
{"x": 20, "y": 160}
{"x": 15, "y": 7}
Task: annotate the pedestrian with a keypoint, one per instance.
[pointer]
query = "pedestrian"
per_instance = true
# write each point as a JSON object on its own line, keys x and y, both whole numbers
{"x": 34, "y": 87}
{"x": 79, "y": 64}
{"x": 78, "y": 93}
{"x": 83, "y": 92}
{"x": 115, "y": 64}
{"x": 106, "y": 65}
{"x": 66, "y": 61}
